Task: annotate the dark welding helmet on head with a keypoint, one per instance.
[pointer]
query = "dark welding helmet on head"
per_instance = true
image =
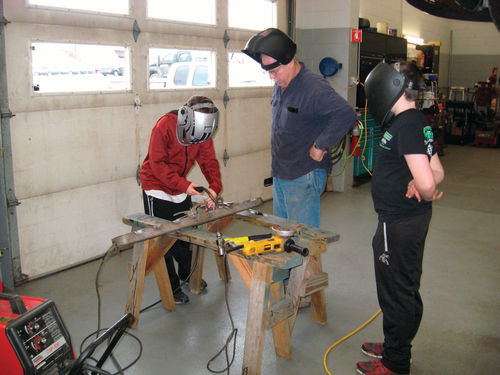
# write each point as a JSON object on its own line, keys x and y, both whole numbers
{"x": 271, "y": 42}
{"x": 384, "y": 85}
{"x": 196, "y": 123}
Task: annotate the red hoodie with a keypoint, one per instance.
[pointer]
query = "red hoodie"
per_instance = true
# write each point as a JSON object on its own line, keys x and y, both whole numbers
{"x": 168, "y": 162}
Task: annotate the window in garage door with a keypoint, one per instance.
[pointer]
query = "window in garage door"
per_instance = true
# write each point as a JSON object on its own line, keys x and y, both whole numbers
{"x": 115, "y": 6}
{"x": 193, "y": 11}
{"x": 68, "y": 67}
{"x": 171, "y": 68}
{"x": 245, "y": 72}
{"x": 253, "y": 15}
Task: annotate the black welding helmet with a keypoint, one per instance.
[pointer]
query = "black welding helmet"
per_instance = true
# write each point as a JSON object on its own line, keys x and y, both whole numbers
{"x": 384, "y": 85}
{"x": 271, "y": 42}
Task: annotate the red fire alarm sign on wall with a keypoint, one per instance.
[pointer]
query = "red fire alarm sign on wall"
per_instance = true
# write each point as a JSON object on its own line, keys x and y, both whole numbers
{"x": 356, "y": 35}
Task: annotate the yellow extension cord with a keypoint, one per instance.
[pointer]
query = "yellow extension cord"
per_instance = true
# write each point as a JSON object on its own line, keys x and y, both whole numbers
{"x": 346, "y": 337}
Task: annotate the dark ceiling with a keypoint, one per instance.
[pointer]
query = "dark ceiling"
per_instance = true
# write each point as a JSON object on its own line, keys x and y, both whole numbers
{"x": 466, "y": 10}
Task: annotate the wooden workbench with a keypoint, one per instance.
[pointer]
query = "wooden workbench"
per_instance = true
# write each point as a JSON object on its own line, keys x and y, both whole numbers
{"x": 276, "y": 281}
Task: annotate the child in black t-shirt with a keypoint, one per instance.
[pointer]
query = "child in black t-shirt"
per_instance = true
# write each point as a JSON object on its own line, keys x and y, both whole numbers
{"x": 406, "y": 173}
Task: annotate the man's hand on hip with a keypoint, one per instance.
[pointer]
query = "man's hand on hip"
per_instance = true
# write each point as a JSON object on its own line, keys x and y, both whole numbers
{"x": 316, "y": 154}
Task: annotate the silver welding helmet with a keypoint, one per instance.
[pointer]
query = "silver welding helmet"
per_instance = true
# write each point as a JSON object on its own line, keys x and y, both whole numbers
{"x": 384, "y": 85}
{"x": 195, "y": 125}
{"x": 271, "y": 42}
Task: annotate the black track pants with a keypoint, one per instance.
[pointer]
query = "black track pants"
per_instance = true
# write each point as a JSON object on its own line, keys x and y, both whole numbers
{"x": 397, "y": 274}
{"x": 180, "y": 251}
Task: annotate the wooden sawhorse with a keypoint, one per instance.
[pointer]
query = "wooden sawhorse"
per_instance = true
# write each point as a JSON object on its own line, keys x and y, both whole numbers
{"x": 276, "y": 281}
{"x": 148, "y": 256}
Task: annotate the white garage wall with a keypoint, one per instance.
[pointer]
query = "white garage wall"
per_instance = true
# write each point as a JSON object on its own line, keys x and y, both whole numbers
{"x": 75, "y": 156}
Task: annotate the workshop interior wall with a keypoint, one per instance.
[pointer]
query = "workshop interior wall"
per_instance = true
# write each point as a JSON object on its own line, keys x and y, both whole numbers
{"x": 476, "y": 51}
{"x": 323, "y": 30}
{"x": 468, "y": 52}
{"x": 313, "y": 46}
{"x": 408, "y": 20}
{"x": 75, "y": 156}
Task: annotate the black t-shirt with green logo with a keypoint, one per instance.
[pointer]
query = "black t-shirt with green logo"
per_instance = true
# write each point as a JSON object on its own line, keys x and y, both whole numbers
{"x": 409, "y": 133}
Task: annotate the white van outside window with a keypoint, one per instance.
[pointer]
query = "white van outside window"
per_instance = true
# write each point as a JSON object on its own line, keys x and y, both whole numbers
{"x": 181, "y": 68}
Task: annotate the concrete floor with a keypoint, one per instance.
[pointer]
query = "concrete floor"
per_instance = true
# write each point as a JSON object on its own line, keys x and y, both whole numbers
{"x": 460, "y": 330}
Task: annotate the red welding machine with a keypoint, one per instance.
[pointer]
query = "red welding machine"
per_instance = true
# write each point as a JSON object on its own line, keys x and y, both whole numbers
{"x": 33, "y": 338}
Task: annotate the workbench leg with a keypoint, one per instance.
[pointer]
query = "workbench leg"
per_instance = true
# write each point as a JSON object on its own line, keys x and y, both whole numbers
{"x": 223, "y": 267}
{"x": 243, "y": 269}
{"x": 281, "y": 332}
{"x": 197, "y": 272}
{"x": 157, "y": 248}
{"x": 164, "y": 287}
{"x": 136, "y": 276}
{"x": 297, "y": 277}
{"x": 255, "y": 330}
{"x": 318, "y": 300}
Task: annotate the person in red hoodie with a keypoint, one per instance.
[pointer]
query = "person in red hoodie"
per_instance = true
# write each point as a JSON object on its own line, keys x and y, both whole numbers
{"x": 178, "y": 140}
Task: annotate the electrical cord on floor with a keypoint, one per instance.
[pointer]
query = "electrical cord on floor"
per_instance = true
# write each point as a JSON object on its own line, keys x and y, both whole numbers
{"x": 346, "y": 337}
{"x": 110, "y": 252}
{"x": 95, "y": 370}
{"x": 120, "y": 371}
{"x": 234, "y": 331}
{"x": 193, "y": 268}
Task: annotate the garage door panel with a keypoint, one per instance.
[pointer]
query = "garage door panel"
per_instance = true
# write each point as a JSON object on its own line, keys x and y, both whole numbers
{"x": 248, "y": 125}
{"x": 243, "y": 177}
{"x": 60, "y": 229}
{"x": 61, "y": 150}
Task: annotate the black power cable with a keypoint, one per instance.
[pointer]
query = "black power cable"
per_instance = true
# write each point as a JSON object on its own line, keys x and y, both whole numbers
{"x": 184, "y": 282}
{"x": 232, "y": 335}
{"x": 110, "y": 252}
{"x": 126, "y": 333}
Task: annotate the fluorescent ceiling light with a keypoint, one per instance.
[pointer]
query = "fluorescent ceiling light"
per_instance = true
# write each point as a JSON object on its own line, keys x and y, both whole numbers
{"x": 414, "y": 39}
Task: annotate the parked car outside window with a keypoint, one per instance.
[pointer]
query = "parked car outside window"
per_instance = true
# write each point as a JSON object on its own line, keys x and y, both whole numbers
{"x": 189, "y": 74}
{"x": 161, "y": 67}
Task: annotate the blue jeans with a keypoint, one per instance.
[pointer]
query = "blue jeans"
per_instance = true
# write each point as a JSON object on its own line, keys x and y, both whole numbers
{"x": 298, "y": 199}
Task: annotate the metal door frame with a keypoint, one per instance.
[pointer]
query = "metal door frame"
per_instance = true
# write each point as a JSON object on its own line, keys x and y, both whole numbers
{"x": 10, "y": 266}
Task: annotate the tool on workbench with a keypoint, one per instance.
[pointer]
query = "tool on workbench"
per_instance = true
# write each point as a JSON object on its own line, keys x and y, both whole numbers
{"x": 286, "y": 232}
{"x": 266, "y": 245}
{"x": 254, "y": 237}
{"x": 221, "y": 244}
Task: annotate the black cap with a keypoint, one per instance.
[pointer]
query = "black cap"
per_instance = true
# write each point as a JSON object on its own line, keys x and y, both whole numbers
{"x": 271, "y": 42}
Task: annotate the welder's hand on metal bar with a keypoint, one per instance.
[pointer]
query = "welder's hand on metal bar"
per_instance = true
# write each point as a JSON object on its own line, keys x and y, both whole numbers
{"x": 209, "y": 203}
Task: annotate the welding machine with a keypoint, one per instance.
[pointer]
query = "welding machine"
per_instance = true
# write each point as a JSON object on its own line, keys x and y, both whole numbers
{"x": 35, "y": 341}
{"x": 33, "y": 338}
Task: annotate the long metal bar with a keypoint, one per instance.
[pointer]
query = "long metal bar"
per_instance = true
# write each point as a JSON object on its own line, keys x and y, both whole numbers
{"x": 126, "y": 240}
{"x": 10, "y": 265}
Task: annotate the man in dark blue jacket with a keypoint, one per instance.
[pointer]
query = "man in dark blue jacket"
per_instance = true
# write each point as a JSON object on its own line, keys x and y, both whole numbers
{"x": 308, "y": 118}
